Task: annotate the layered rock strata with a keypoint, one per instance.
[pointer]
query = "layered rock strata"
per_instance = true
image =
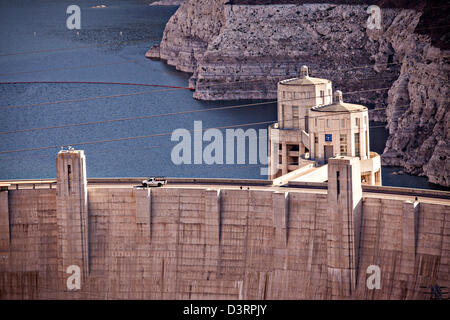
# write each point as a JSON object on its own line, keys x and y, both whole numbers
{"x": 418, "y": 104}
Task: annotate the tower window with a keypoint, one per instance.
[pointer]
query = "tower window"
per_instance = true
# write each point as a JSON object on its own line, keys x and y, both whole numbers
{"x": 295, "y": 118}
{"x": 357, "y": 146}
{"x": 343, "y": 146}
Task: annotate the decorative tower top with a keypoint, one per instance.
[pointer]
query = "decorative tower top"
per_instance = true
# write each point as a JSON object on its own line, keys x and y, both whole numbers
{"x": 338, "y": 97}
{"x": 304, "y": 71}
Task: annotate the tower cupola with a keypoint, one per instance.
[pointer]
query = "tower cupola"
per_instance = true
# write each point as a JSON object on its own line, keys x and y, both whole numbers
{"x": 338, "y": 97}
{"x": 304, "y": 72}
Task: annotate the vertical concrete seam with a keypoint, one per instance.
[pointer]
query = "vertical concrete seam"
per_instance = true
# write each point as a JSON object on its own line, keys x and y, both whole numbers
{"x": 150, "y": 216}
{"x": 89, "y": 235}
{"x": 219, "y": 215}
{"x": 84, "y": 245}
{"x": 9, "y": 219}
{"x": 245, "y": 284}
{"x": 416, "y": 226}
{"x": 286, "y": 215}
{"x": 357, "y": 244}
{"x": 177, "y": 249}
{"x": 349, "y": 222}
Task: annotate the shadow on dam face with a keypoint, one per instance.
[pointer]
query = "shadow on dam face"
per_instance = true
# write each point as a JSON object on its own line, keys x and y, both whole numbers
{"x": 199, "y": 242}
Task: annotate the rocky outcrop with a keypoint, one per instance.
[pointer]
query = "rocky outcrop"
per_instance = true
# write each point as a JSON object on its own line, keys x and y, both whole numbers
{"x": 167, "y": 3}
{"x": 188, "y": 32}
{"x": 241, "y": 52}
{"x": 418, "y": 105}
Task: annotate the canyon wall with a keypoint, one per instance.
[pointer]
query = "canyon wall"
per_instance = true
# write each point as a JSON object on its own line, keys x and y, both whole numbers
{"x": 417, "y": 113}
{"x": 237, "y": 51}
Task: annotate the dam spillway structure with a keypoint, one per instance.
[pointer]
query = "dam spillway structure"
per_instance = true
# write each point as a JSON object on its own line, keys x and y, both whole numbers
{"x": 81, "y": 238}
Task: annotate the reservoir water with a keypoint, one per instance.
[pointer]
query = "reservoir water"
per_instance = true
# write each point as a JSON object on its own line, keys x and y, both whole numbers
{"x": 37, "y": 46}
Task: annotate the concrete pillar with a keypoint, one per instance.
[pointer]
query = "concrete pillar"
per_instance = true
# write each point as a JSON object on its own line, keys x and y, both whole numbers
{"x": 212, "y": 217}
{"x": 344, "y": 225}
{"x": 4, "y": 223}
{"x": 372, "y": 179}
{"x": 284, "y": 159}
{"x": 378, "y": 179}
{"x": 280, "y": 216}
{"x": 272, "y": 150}
{"x": 410, "y": 222}
{"x": 273, "y": 153}
{"x": 72, "y": 213}
{"x": 143, "y": 212}
{"x": 280, "y": 207}
{"x": 212, "y": 225}
{"x": 270, "y": 162}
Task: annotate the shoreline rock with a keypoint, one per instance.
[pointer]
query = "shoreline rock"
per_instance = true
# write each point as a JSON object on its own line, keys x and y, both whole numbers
{"x": 153, "y": 52}
{"x": 167, "y": 3}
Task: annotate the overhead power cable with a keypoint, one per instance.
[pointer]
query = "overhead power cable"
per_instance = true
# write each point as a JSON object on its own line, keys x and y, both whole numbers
{"x": 166, "y": 114}
{"x": 143, "y": 136}
{"x": 115, "y": 150}
{"x": 130, "y": 138}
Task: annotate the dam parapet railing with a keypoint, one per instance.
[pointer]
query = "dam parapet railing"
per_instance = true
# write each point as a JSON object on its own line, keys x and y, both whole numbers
{"x": 51, "y": 184}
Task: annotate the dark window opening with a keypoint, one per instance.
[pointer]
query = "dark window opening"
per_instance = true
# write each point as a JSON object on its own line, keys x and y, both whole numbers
{"x": 338, "y": 184}
{"x": 293, "y": 161}
{"x": 293, "y": 147}
{"x": 69, "y": 176}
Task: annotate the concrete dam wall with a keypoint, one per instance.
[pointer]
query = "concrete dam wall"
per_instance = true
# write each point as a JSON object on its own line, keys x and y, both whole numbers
{"x": 200, "y": 243}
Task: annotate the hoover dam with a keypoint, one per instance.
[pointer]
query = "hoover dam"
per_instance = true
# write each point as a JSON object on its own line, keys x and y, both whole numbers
{"x": 220, "y": 239}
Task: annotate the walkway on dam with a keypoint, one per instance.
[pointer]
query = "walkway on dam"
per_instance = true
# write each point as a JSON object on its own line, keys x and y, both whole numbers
{"x": 424, "y": 196}
{"x": 276, "y": 188}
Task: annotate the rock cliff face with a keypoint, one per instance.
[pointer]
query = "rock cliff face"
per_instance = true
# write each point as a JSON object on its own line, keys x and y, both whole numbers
{"x": 167, "y": 3}
{"x": 241, "y": 51}
{"x": 418, "y": 104}
{"x": 188, "y": 33}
